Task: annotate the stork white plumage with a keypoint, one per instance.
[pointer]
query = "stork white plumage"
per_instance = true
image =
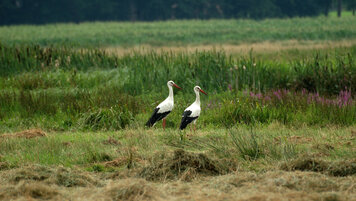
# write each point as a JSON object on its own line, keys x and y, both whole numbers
{"x": 164, "y": 108}
{"x": 192, "y": 112}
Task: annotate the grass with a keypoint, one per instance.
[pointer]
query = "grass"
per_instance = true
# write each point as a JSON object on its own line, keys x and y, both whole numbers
{"x": 276, "y": 124}
{"x": 263, "y": 144}
{"x": 310, "y": 163}
{"x": 66, "y": 89}
{"x": 181, "y": 33}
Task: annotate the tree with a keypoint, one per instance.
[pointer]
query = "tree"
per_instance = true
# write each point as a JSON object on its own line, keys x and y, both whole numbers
{"x": 339, "y": 7}
{"x": 351, "y": 5}
{"x": 51, "y": 11}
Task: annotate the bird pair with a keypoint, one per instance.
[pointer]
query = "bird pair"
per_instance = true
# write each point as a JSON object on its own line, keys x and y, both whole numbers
{"x": 190, "y": 114}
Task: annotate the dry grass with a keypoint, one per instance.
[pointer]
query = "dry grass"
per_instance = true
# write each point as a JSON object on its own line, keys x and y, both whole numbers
{"x": 59, "y": 176}
{"x": 241, "y": 49}
{"x": 310, "y": 163}
{"x": 147, "y": 168}
{"x": 30, "y": 191}
{"x": 181, "y": 165}
{"x": 32, "y": 133}
{"x": 31, "y": 183}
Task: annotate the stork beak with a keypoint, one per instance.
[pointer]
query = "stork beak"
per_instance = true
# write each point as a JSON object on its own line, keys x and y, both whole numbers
{"x": 203, "y": 91}
{"x": 176, "y": 86}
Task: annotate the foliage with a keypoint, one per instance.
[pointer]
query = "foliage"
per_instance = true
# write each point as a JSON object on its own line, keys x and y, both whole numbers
{"x": 39, "y": 12}
{"x": 63, "y": 88}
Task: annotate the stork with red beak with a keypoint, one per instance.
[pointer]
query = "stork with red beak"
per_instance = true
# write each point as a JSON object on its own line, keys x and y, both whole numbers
{"x": 192, "y": 112}
{"x": 164, "y": 108}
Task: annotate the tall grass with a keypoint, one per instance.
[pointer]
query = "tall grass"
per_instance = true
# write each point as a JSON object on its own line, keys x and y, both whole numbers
{"x": 181, "y": 32}
{"x": 64, "y": 88}
{"x": 214, "y": 70}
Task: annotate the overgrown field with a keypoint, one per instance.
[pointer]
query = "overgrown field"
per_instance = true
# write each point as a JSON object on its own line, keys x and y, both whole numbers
{"x": 182, "y": 32}
{"x": 66, "y": 89}
{"x": 275, "y": 125}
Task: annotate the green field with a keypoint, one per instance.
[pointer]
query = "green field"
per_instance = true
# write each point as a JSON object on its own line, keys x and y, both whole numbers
{"x": 180, "y": 33}
{"x": 278, "y": 123}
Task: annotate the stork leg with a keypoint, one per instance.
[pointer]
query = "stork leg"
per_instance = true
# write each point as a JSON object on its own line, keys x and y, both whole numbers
{"x": 195, "y": 128}
{"x": 164, "y": 124}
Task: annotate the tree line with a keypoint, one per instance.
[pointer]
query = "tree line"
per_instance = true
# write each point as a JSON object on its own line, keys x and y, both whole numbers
{"x": 50, "y": 11}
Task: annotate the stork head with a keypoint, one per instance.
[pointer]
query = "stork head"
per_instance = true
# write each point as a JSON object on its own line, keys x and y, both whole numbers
{"x": 197, "y": 89}
{"x": 172, "y": 84}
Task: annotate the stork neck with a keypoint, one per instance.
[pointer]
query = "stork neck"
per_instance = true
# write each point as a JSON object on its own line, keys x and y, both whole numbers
{"x": 197, "y": 98}
{"x": 170, "y": 96}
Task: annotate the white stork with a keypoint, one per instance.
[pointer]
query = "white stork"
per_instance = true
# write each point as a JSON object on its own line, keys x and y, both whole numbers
{"x": 164, "y": 108}
{"x": 193, "y": 111}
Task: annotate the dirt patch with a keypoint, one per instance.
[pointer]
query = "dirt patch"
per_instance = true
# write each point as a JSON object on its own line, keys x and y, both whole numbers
{"x": 29, "y": 191}
{"x": 182, "y": 165}
{"x": 307, "y": 163}
{"x": 32, "y": 133}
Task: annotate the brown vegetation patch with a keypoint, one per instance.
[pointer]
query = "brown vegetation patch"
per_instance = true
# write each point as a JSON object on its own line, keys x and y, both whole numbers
{"x": 307, "y": 163}
{"x": 26, "y": 134}
{"x": 130, "y": 189}
{"x": 129, "y": 162}
{"x": 278, "y": 185}
{"x": 111, "y": 141}
{"x": 70, "y": 178}
{"x": 29, "y": 191}
{"x": 59, "y": 176}
{"x": 259, "y": 47}
{"x": 4, "y": 166}
{"x": 353, "y": 134}
{"x": 118, "y": 162}
{"x": 299, "y": 139}
{"x": 182, "y": 165}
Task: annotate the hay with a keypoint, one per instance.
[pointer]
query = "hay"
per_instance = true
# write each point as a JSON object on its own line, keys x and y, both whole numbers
{"x": 130, "y": 189}
{"x": 129, "y": 162}
{"x": 29, "y": 191}
{"x": 308, "y": 163}
{"x": 4, "y": 166}
{"x": 182, "y": 165}
{"x": 70, "y": 178}
{"x": 32, "y": 133}
{"x": 60, "y": 176}
{"x": 118, "y": 162}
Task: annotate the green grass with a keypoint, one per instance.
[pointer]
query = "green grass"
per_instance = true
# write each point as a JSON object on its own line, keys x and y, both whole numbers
{"x": 185, "y": 32}
{"x": 343, "y": 14}
{"x": 267, "y": 117}
{"x": 269, "y": 145}
{"x": 67, "y": 89}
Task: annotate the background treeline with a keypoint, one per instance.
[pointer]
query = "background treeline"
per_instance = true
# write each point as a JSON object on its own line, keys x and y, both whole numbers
{"x": 50, "y": 11}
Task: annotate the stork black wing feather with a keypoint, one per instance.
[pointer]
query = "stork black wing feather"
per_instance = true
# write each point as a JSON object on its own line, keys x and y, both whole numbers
{"x": 186, "y": 119}
{"x": 156, "y": 117}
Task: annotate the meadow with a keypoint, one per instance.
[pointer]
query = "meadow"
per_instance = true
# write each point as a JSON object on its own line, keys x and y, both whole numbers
{"x": 181, "y": 32}
{"x": 277, "y": 123}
